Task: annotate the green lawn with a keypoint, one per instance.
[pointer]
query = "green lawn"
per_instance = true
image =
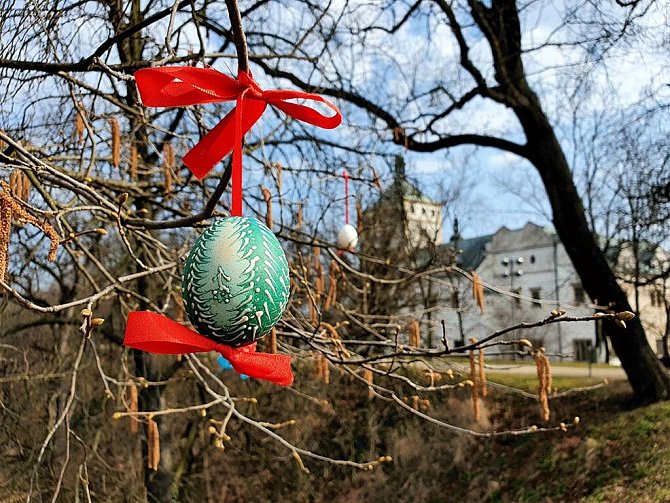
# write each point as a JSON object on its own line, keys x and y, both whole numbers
{"x": 529, "y": 382}
{"x": 613, "y": 455}
{"x": 527, "y": 361}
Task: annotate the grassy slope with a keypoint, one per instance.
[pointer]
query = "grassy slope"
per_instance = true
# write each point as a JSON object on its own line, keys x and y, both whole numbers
{"x": 614, "y": 455}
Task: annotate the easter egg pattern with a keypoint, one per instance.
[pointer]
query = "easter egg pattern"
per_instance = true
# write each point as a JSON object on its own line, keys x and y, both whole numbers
{"x": 236, "y": 281}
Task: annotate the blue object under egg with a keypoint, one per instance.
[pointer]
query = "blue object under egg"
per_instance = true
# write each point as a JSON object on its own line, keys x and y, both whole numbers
{"x": 225, "y": 365}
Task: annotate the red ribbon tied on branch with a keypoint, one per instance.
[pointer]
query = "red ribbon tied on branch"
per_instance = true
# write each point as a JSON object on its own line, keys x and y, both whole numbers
{"x": 174, "y": 86}
{"x": 156, "y": 333}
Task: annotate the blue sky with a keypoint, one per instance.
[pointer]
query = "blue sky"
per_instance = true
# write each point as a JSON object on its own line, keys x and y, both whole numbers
{"x": 507, "y": 190}
{"x": 499, "y": 189}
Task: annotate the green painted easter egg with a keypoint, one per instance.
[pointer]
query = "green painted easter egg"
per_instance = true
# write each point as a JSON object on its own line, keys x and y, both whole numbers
{"x": 236, "y": 282}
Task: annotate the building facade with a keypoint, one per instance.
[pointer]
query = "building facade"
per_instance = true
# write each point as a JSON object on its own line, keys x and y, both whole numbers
{"x": 528, "y": 274}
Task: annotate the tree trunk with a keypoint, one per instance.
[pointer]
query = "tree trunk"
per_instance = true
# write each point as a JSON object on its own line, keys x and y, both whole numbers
{"x": 159, "y": 483}
{"x": 501, "y": 26}
{"x": 648, "y": 379}
{"x": 666, "y": 332}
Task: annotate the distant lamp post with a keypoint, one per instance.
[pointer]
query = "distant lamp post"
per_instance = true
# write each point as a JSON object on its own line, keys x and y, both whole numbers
{"x": 512, "y": 272}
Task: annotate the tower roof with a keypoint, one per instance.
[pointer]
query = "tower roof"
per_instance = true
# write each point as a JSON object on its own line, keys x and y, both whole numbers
{"x": 473, "y": 251}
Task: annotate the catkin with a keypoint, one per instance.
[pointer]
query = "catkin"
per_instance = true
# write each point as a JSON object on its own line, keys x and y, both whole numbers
{"x": 298, "y": 222}
{"x": 168, "y": 155}
{"x": 19, "y": 183}
{"x": 150, "y": 441}
{"x": 25, "y": 189}
{"x": 279, "y": 169}
{"x": 319, "y": 280}
{"x": 483, "y": 387}
{"x": 14, "y": 184}
{"x": 364, "y": 298}
{"x": 478, "y": 291}
{"x": 79, "y": 127}
{"x": 168, "y": 166}
{"x": 133, "y": 162}
{"x": 548, "y": 380}
{"x": 317, "y": 256}
{"x": 168, "y": 181}
{"x": 432, "y": 376}
{"x": 116, "y": 142}
{"x": 369, "y": 378}
{"x": 325, "y": 370}
{"x": 475, "y": 388}
{"x": 153, "y": 445}
{"x": 10, "y": 210}
{"x": 267, "y": 196}
{"x": 332, "y": 331}
{"x": 376, "y": 179}
{"x": 544, "y": 379}
{"x": 5, "y": 230}
{"x": 414, "y": 333}
{"x": 133, "y": 408}
{"x": 333, "y": 273}
{"x": 318, "y": 367}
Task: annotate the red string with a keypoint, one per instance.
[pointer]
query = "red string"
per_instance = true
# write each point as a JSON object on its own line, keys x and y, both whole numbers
{"x": 156, "y": 333}
{"x": 174, "y": 86}
{"x": 346, "y": 196}
{"x": 236, "y": 175}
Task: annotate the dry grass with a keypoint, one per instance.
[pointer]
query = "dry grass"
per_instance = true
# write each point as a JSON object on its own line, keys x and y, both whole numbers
{"x": 610, "y": 456}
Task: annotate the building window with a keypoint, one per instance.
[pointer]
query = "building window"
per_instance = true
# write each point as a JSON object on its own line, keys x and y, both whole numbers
{"x": 532, "y": 259}
{"x": 583, "y": 350}
{"x": 579, "y": 293}
{"x": 432, "y": 213}
{"x": 656, "y": 297}
{"x": 535, "y": 295}
{"x": 413, "y": 209}
{"x": 423, "y": 211}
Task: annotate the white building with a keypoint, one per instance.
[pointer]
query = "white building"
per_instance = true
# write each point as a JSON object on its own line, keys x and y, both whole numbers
{"x": 403, "y": 218}
{"x": 527, "y": 272}
{"x": 424, "y": 217}
{"x": 530, "y": 274}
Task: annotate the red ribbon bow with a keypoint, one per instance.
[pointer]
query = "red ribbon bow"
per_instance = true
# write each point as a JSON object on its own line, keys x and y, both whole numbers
{"x": 156, "y": 333}
{"x": 174, "y": 86}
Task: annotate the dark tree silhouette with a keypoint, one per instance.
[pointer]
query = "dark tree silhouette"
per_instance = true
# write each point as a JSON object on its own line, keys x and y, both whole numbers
{"x": 499, "y": 24}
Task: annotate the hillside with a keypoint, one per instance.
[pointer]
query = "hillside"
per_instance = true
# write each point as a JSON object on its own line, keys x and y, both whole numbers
{"x": 613, "y": 454}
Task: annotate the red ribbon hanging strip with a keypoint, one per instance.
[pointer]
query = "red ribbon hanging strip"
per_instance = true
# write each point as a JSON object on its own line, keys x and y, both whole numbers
{"x": 156, "y": 333}
{"x": 346, "y": 196}
{"x": 173, "y": 86}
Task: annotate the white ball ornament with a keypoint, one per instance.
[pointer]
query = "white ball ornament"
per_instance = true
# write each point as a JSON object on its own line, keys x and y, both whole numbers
{"x": 236, "y": 281}
{"x": 347, "y": 238}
